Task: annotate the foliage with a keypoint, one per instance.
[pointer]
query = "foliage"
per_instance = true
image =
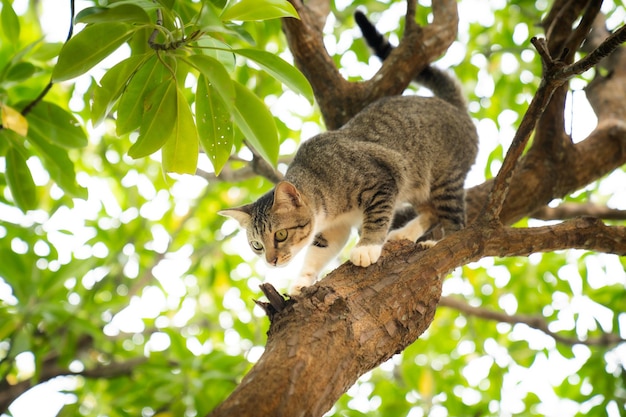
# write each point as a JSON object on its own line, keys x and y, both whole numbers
{"x": 108, "y": 264}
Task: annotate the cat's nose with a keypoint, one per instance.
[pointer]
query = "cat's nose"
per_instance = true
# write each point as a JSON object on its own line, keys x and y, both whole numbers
{"x": 272, "y": 261}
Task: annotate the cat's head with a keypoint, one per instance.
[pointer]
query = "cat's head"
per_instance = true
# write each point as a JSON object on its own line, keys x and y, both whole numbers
{"x": 278, "y": 225}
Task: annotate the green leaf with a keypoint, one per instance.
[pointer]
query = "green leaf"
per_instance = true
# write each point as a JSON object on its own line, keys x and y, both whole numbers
{"x": 89, "y": 47}
{"x": 112, "y": 86}
{"x": 20, "y": 71}
{"x": 20, "y": 180}
{"x": 169, "y": 4}
{"x": 280, "y": 69}
{"x": 158, "y": 122}
{"x": 259, "y": 10}
{"x": 7, "y": 327}
{"x": 10, "y": 22}
{"x": 57, "y": 125}
{"x": 180, "y": 152}
{"x": 215, "y": 126}
{"x": 122, "y": 13}
{"x": 256, "y": 123}
{"x": 56, "y": 161}
{"x": 130, "y": 109}
{"x": 46, "y": 51}
{"x": 219, "y": 3}
{"x": 218, "y": 50}
{"x": 217, "y": 75}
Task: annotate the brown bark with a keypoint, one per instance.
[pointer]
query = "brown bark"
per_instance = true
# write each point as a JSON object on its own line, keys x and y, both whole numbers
{"x": 321, "y": 341}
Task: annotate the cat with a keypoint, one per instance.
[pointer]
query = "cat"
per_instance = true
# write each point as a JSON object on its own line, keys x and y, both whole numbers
{"x": 398, "y": 150}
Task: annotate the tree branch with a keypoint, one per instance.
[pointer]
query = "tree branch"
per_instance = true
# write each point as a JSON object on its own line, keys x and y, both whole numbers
{"x": 418, "y": 47}
{"x": 29, "y": 107}
{"x": 9, "y": 393}
{"x": 556, "y": 74}
{"x": 535, "y": 322}
{"x": 359, "y": 317}
{"x": 571, "y": 210}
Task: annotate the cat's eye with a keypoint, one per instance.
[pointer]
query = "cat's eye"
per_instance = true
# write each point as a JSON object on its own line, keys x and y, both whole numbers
{"x": 256, "y": 245}
{"x": 281, "y": 235}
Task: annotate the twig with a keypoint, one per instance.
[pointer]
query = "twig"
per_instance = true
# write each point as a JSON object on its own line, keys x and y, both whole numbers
{"x": 571, "y": 210}
{"x": 29, "y": 107}
{"x": 536, "y": 322}
{"x": 112, "y": 370}
{"x": 577, "y": 37}
{"x": 155, "y": 32}
{"x": 609, "y": 45}
{"x": 262, "y": 167}
{"x": 277, "y": 302}
{"x": 410, "y": 23}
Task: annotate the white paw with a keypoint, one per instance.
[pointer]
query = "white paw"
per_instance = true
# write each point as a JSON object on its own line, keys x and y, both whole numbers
{"x": 304, "y": 280}
{"x": 365, "y": 255}
{"x": 400, "y": 234}
{"x": 427, "y": 244}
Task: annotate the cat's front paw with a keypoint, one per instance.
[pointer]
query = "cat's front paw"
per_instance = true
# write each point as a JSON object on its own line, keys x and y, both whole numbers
{"x": 365, "y": 255}
{"x": 427, "y": 244}
{"x": 304, "y": 280}
{"x": 400, "y": 234}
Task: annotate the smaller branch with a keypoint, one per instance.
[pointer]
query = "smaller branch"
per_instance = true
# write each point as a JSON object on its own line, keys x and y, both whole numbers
{"x": 111, "y": 370}
{"x": 556, "y": 73}
{"x": 535, "y": 322}
{"x": 277, "y": 302}
{"x": 576, "y": 38}
{"x": 410, "y": 24}
{"x": 254, "y": 168}
{"x": 609, "y": 45}
{"x": 262, "y": 167}
{"x": 542, "y": 97}
{"x": 579, "y": 233}
{"x": 155, "y": 32}
{"x": 571, "y": 210}
{"x": 29, "y": 107}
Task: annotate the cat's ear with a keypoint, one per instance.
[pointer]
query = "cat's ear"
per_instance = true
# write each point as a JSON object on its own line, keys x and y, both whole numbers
{"x": 241, "y": 214}
{"x": 286, "y": 197}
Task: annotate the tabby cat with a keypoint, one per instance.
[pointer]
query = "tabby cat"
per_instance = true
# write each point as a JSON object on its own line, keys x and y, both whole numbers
{"x": 399, "y": 150}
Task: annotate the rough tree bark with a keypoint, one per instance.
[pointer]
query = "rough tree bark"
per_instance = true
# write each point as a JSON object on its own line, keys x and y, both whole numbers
{"x": 321, "y": 341}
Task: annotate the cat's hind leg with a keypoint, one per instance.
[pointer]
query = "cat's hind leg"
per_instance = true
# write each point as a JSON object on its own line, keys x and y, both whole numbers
{"x": 448, "y": 201}
{"x": 417, "y": 226}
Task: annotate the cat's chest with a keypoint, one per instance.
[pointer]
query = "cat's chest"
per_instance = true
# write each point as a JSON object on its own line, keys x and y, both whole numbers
{"x": 352, "y": 218}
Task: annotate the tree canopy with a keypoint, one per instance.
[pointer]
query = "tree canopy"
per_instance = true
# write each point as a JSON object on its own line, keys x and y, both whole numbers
{"x": 122, "y": 292}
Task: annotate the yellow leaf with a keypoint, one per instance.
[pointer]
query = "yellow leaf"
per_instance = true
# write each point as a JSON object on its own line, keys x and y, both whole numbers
{"x": 426, "y": 384}
{"x": 13, "y": 119}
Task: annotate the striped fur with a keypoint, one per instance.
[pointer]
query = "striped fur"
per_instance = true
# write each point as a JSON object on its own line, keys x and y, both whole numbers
{"x": 399, "y": 151}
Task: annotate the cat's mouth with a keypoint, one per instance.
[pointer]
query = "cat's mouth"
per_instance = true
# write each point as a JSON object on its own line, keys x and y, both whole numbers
{"x": 278, "y": 261}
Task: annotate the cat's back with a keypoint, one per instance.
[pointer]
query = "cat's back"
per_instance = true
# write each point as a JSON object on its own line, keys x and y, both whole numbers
{"x": 414, "y": 125}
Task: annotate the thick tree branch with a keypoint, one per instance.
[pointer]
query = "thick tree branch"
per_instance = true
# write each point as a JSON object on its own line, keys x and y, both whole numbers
{"x": 365, "y": 315}
{"x": 418, "y": 47}
{"x": 602, "y": 152}
{"x": 536, "y": 322}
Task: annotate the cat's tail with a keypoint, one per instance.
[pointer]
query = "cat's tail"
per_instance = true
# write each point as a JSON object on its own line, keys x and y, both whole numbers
{"x": 442, "y": 84}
